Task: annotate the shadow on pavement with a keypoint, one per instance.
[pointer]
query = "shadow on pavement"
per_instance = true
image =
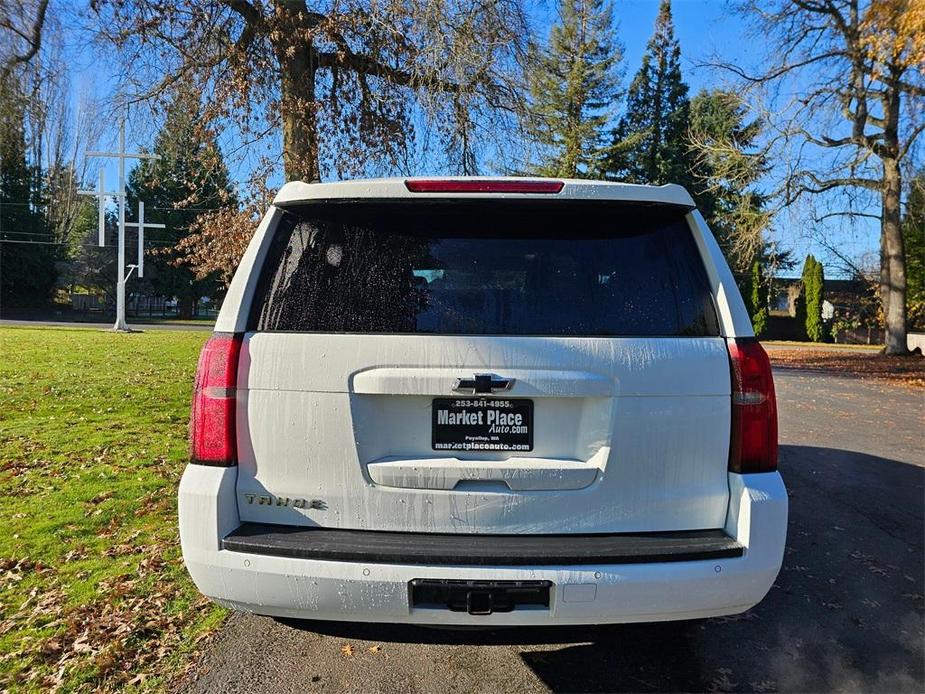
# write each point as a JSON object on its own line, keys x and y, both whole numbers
{"x": 478, "y": 636}
{"x": 630, "y": 658}
{"x": 845, "y": 613}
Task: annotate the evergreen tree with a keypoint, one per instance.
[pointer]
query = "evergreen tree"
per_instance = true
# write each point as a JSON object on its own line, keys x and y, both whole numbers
{"x": 914, "y": 239}
{"x": 189, "y": 178}
{"x": 800, "y": 313}
{"x": 815, "y": 326}
{"x": 726, "y": 169}
{"x": 650, "y": 141}
{"x": 27, "y": 250}
{"x": 759, "y": 311}
{"x": 572, "y": 86}
{"x": 810, "y": 308}
{"x": 746, "y": 284}
{"x": 91, "y": 266}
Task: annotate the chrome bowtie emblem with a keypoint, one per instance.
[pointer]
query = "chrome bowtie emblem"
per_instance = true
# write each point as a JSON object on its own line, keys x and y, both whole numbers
{"x": 483, "y": 383}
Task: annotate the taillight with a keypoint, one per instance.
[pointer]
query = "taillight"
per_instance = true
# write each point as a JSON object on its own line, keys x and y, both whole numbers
{"x": 468, "y": 185}
{"x": 212, "y": 427}
{"x": 753, "y": 444}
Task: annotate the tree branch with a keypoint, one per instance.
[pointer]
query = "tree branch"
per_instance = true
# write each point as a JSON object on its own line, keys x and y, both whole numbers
{"x": 253, "y": 22}
{"x": 847, "y": 214}
{"x": 909, "y": 88}
{"x": 34, "y": 41}
{"x": 248, "y": 12}
{"x": 849, "y": 264}
{"x": 822, "y": 185}
{"x": 370, "y": 66}
{"x": 773, "y": 74}
{"x": 910, "y": 140}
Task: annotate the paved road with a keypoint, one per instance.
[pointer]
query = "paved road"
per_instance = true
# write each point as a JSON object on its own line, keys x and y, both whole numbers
{"x": 845, "y": 614}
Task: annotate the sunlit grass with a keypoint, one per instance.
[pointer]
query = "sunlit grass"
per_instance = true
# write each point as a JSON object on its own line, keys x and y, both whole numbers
{"x": 92, "y": 444}
{"x": 822, "y": 345}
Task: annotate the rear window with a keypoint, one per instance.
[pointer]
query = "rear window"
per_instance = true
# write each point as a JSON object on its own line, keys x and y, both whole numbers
{"x": 484, "y": 268}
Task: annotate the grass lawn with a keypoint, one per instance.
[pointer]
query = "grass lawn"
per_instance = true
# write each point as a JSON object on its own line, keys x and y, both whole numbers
{"x": 822, "y": 345}
{"x": 93, "y": 592}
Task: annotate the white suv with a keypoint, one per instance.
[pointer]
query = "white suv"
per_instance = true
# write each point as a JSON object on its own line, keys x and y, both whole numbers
{"x": 474, "y": 401}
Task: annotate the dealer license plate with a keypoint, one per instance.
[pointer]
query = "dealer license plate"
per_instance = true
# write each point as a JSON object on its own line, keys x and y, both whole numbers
{"x": 482, "y": 424}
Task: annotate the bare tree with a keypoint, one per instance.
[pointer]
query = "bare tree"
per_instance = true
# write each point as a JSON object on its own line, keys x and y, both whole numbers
{"x": 57, "y": 132}
{"x": 343, "y": 81}
{"x": 845, "y": 85}
{"x": 21, "y": 24}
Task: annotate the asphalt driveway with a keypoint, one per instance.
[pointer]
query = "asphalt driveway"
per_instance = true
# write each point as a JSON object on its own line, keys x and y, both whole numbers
{"x": 845, "y": 614}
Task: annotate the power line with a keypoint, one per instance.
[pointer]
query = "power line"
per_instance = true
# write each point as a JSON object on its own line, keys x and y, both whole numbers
{"x": 160, "y": 244}
{"x": 41, "y": 238}
{"x": 27, "y": 233}
{"x": 160, "y": 209}
{"x": 47, "y": 233}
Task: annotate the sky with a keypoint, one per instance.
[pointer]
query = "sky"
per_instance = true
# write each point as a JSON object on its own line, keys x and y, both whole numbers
{"x": 703, "y": 28}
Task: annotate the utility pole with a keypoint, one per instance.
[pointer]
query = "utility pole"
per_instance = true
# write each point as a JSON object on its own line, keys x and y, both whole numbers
{"x": 122, "y": 278}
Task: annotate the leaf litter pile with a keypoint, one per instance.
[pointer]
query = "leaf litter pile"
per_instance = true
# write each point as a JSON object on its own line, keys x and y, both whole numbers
{"x": 93, "y": 593}
{"x": 907, "y": 371}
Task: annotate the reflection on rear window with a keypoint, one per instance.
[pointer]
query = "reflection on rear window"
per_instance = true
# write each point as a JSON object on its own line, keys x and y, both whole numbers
{"x": 485, "y": 267}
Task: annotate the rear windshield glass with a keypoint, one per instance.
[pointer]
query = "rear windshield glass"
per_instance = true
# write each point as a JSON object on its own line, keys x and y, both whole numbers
{"x": 484, "y": 268}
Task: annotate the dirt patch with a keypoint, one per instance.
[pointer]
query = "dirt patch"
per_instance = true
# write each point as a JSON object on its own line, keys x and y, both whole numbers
{"x": 906, "y": 371}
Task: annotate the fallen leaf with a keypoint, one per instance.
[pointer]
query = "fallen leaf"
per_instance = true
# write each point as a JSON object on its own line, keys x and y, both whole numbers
{"x": 101, "y": 497}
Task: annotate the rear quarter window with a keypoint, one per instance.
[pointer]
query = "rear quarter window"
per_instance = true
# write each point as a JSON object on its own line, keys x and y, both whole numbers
{"x": 486, "y": 267}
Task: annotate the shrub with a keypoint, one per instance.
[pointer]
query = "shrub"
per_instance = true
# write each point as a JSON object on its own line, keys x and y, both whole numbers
{"x": 813, "y": 280}
{"x": 756, "y": 306}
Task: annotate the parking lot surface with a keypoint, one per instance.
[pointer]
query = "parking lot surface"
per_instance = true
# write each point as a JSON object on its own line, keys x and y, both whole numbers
{"x": 846, "y": 612}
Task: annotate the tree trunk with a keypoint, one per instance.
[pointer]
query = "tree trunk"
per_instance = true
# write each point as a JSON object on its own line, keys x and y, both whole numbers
{"x": 297, "y": 64}
{"x": 893, "y": 261}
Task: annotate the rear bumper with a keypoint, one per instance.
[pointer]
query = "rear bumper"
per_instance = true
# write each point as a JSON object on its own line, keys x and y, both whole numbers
{"x": 377, "y": 588}
{"x": 434, "y": 549}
